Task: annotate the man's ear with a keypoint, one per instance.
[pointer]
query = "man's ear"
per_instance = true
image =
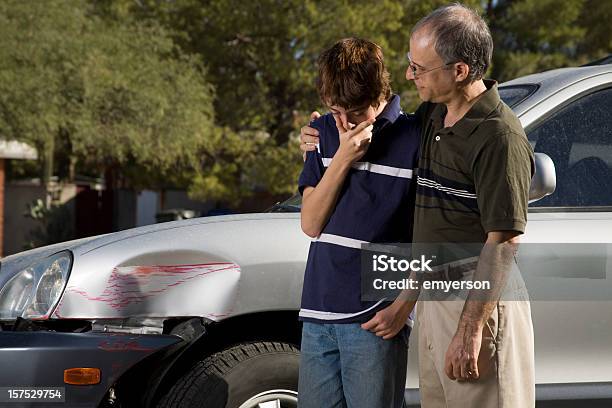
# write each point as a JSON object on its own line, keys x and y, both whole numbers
{"x": 462, "y": 71}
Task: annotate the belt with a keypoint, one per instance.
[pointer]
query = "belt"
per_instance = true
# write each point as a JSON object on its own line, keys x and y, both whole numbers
{"x": 452, "y": 271}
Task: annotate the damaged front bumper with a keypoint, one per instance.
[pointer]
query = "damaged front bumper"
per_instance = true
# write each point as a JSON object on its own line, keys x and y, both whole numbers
{"x": 38, "y": 359}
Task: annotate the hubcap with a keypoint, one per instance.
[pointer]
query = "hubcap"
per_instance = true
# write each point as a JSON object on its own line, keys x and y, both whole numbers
{"x": 272, "y": 399}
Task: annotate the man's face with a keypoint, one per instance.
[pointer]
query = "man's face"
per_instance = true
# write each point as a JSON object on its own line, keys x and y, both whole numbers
{"x": 354, "y": 116}
{"x": 434, "y": 79}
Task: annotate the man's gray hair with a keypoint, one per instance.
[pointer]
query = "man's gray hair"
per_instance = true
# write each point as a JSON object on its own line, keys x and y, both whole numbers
{"x": 460, "y": 35}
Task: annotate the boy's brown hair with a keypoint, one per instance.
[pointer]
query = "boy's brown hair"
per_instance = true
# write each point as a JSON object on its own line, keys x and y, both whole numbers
{"x": 352, "y": 74}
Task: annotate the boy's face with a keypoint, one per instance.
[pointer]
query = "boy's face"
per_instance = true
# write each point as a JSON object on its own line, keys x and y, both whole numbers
{"x": 354, "y": 116}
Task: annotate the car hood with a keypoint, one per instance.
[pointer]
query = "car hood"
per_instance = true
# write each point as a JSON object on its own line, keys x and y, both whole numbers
{"x": 212, "y": 267}
{"x": 13, "y": 264}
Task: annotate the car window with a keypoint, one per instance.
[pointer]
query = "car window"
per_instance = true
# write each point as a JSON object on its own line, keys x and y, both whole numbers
{"x": 578, "y": 138}
{"x": 514, "y": 94}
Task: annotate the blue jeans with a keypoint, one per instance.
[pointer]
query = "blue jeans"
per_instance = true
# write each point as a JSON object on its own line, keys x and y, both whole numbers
{"x": 343, "y": 365}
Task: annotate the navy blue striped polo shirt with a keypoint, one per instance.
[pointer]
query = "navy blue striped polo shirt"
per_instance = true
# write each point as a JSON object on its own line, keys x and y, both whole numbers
{"x": 375, "y": 205}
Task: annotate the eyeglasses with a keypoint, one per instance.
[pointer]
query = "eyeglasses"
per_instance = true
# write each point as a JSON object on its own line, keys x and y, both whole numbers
{"x": 418, "y": 71}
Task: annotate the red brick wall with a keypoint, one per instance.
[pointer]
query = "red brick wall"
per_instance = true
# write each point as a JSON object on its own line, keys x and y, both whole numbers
{"x": 1, "y": 205}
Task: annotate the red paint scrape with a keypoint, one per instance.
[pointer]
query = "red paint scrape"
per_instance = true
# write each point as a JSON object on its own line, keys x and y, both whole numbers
{"x": 133, "y": 284}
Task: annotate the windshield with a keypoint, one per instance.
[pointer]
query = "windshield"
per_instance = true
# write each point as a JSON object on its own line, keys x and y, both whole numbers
{"x": 292, "y": 204}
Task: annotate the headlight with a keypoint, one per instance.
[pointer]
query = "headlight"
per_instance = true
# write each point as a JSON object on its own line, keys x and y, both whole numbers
{"x": 34, "y": 292}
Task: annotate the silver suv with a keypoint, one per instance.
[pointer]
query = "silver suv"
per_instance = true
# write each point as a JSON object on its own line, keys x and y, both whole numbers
{"x": 203, "y": 312}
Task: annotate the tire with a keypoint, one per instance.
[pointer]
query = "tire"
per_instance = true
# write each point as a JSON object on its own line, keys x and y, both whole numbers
{"x": 244, "y": 376}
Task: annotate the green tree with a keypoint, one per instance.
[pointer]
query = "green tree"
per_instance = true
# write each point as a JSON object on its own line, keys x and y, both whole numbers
{"x": 532, "y": 36}
{"x": 209, "y": 94}
{"x": 595, "y": 19}
{"x": 261, "y": 55}
{"x": 261, "y": 59}
{"x": 536, "y": 35}
{"x": 110, "y": 94}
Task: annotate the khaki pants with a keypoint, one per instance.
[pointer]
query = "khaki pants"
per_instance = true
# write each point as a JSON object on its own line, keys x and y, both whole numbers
{"x": 506, "y": 361}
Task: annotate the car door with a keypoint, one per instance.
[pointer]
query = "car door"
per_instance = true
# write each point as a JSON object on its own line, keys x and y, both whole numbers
{"x": 571, "y": 292}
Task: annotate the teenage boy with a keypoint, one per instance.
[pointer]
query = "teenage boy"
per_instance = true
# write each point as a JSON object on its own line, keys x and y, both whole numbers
{"x": 357, "y": 188}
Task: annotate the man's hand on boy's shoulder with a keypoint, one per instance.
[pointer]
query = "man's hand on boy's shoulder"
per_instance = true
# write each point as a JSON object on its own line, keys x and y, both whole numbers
{"x": 309, "y": 136}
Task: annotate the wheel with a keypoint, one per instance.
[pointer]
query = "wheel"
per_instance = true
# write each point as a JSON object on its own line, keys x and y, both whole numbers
{"x": 250, "y": 375}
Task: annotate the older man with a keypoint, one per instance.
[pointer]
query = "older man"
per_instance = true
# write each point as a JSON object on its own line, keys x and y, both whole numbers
{"x": 473, "y": 183}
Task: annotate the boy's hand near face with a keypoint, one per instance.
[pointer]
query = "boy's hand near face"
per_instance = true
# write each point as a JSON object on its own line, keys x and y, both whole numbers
{"x": 318, "y": 202}
{"x": 354, "y": 143}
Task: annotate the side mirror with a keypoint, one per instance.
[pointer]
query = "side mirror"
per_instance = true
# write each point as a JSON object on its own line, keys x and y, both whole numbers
{"x": 544, "y": 180}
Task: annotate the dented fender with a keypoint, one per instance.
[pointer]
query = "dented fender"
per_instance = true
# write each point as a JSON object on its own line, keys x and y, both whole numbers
{"x": 211, "y": 268}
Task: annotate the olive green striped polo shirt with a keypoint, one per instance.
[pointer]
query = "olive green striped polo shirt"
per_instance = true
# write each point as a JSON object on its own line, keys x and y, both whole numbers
{"x": 474, "y": 176}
